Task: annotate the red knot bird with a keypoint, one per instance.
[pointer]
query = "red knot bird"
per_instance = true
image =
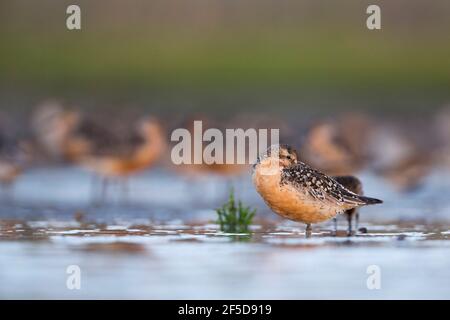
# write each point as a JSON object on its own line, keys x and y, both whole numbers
{"x": 295, "y": 191}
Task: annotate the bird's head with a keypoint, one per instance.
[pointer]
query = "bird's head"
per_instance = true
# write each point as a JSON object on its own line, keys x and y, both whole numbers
{"x": 280, "y": 156}
{"x": 149, "y": 127}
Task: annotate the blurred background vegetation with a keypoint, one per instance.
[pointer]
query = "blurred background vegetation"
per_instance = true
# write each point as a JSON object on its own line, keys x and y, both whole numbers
{"x": 227, "y": 55}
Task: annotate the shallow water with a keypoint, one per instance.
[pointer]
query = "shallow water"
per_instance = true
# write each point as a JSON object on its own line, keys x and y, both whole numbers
{"x": 192, "y": 261}
{"x": 164, "y": 244}
{"x": 56, "y": 192}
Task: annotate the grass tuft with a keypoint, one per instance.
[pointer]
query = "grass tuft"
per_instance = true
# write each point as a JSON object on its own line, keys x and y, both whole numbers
{"x": 234, "y": 218}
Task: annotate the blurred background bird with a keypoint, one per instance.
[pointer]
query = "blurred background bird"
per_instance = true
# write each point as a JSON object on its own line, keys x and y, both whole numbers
{"x": 225, "y": 175}
{"x": 338, "y": 146}
{"x": 354, "y": 185}
{"x": 118, "y": 165}
{"x": 398, "y": 157}
{"x": 56, "y": 131}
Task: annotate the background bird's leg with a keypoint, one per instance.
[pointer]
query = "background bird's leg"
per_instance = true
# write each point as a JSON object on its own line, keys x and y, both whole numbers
{"x": 335, "y": 225}
{"x": 10, "y": 192}
{"x": 7, "y": 192}
{"x": 349, "y": 219}
{"x": 3, "y": 191}
{"x": 124, "y": 182}
{"x": 104, "y": 189}
{"x": 95, "y": 190}
{"x": 357, "y": 221}
{"x": 308, "y": 230}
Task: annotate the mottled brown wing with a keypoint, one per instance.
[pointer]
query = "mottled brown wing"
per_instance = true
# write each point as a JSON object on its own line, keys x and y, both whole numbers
{"x": 319, "y": 185}
{"x": 351, "y": 183}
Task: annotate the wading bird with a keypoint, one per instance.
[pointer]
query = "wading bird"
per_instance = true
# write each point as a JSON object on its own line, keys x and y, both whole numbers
{"x": 397, "y": 156}
{"x": 56, "y": 132}
{"x": 333, "y": 146}
{"x": 354, "y": 185}
{"x": 298, "y": 192}
{"x": 227, "y": 172}
{"x": 120, "y": 167}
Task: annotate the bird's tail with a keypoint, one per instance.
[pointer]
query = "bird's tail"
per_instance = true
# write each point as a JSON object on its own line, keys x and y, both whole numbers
{"x": 369, "y": 201}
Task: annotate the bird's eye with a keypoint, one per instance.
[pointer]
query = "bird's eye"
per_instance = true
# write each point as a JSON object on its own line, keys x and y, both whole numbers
{"x": 288, "y": 157}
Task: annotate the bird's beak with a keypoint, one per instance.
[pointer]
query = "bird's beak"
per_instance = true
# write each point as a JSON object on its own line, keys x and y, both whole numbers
{"x": 258, "y": 161}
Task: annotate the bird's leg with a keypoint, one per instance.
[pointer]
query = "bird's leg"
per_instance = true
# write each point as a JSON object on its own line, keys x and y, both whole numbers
{"x": 7, "y": 192}
{"x": 10, "y": 192}
{"x": 335, "y": 225}
{"x": 308, "y": 230}
{"x": 3, "y": 191}
{"x": 125, "y": 189}
{"x": 349, "y": 219}
{"x": 117, "y": 187}
{"x": 357, "y": 221}
{"x": 104, "y": 189}
{"x": 94, "y": 190}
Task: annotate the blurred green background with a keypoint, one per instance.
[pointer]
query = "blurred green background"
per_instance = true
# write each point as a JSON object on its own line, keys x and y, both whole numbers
{"x": 225, "y": 55}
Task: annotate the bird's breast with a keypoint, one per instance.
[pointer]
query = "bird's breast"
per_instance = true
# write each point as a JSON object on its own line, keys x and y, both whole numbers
{"x": 291, "y": 202}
